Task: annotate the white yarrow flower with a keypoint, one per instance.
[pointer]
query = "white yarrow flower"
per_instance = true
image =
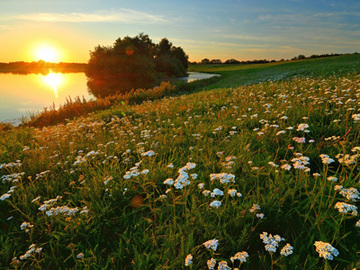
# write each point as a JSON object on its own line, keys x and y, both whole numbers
{"x": 211, "y": 244}
{"x": 188, "y": 260}
{"x": 326, "y": 250}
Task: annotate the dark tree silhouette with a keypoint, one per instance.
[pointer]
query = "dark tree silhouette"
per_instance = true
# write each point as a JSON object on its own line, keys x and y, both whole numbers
{"x": 133, "y": 63}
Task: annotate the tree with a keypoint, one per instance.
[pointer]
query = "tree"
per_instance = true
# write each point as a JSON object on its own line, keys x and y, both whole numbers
{"x": 205, "y": 61}
{"x": 170, "y": 60}
{"x": 118, "y": 69}
{"x": 133, "y": 63}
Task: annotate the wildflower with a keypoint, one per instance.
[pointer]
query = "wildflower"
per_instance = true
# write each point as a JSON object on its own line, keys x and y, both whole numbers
{"x": 356, "y": 117}
{"x": 280, "y": 132}
{"x": 224, "y": 178}
{"x": 217, "y": 192}
{"x": 190, "y": 166}
{"x": 80, "y": 255}
{"x": 149, "y": 153}
{"x": 26, "y": 226}
{"x": 188, "y": 260}
{"x": 206, "y": 192}
{"x": 286, "y": 250}
{"x": 107, "y": 179}
{"x": 350, "y": 193}
{"x": 260, "y": 215}
{"x": 326, "y": 159}
{"x": 286, "y": 167}
{"x": 232, "y": 192}
{"x": 299, "y": 140}
{"x": 211, "y": 264}
{"x": 170, "y": 165}
{"x": 223, "y": 266}
{"x": 254, "y": 208}
{"x": 201, "y": 185}
{"x": 271, "y": 242}
{"x": 36, "y": 199}
{"x": 241, "y": 256}
{"x": 216, "y": 204}
{"x": 194, "y": 176}
{"x": 5, "y": 196}
{"x": 316, "y": 175}
{"x": 302, "y": 127}
{"x": 326, "y": 250}
{"x": 345, "y": 208}
{"x": 169, "y": 182}
{"x": 338, "y": 187}
{"x": 332, "y": 178}
{"x": 357, "y": 223}
{"x": 211, "y": 244}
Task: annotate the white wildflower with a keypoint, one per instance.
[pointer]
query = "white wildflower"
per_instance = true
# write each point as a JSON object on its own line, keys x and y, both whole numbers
{"x": 254, "y": 208}
{"x": 211, "y": 264}
{"x": 169, "y": 182}
{"x": 211, "y": 244}
{"x": 217, "y": 192}
{"x": 350, "y": 194}
{"x": 149, "y": 153}
{"x": 188, "y": 260}
{"x": 345, "y": 208}
{"x": 216, "y": 204}
{"x": 332, "y": 178}
{"x": 326, "y": 250}
{"x": 271, "y": 242}
{"x": 286, "y": 250}
{"x": 80, "y": 255}
{"x": 241, "y": 256}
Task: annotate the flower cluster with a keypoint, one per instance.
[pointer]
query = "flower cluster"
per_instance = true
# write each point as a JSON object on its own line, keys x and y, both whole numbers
{"x": 271, "y": 242}
{"x": 134, "y": 171}
{"x": 326, "y": 250}
{"x": 224, "y": 178}
{"x": 211, "y": 244}
{"x": 346, "y": 208}
{"x": 32, "y": 249}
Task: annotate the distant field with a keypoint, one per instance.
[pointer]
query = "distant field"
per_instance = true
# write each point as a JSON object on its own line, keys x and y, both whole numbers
{"x": 258, "y": 173}
{"x": 235, "y": 75}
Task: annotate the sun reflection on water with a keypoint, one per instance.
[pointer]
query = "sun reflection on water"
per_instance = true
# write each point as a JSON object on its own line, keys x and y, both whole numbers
{"x": 54, "y": 80}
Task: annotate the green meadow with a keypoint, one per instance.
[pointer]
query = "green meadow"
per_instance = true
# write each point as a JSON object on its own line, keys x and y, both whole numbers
{"x": 256, "y": 169}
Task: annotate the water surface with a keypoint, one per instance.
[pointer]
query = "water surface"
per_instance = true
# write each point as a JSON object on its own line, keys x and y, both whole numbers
{"x": 22, "y": 95}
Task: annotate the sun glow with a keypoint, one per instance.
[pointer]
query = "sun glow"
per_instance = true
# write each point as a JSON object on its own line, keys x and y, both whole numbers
{"x": 54, "y": 80}
{"x": 47, "y": 53}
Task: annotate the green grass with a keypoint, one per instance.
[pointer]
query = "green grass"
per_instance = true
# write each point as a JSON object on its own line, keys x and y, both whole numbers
{"x": 235, "y": 75}
{"x": 128, "y": 223}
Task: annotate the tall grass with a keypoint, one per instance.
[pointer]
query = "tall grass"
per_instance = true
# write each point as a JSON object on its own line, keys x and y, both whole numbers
{"x": 79, "y": 107}
{"x": 93, "y": 195}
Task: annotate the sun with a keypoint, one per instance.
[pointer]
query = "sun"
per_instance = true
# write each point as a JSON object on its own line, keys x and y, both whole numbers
{"x": 47, "y": 53}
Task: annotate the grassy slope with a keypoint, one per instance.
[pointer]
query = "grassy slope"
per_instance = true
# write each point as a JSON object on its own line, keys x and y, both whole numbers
{"x": 235, "y": 75}
{"x": 131, "y": 225}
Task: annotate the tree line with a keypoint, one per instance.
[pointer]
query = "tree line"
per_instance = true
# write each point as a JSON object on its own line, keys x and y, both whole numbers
{"x": 233, "y": 61}
{"x": 133, "y": 62}
{"x": 40, "y": 67}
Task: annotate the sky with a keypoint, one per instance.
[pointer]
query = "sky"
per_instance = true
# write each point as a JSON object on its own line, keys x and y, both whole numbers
{"x": 213, "y": 29}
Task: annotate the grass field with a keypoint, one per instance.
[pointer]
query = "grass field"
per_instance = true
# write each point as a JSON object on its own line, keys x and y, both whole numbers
{"x": 258, "y": 173}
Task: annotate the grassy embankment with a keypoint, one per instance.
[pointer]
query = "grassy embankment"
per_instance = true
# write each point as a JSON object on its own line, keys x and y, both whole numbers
{"x": 91, "y": 195}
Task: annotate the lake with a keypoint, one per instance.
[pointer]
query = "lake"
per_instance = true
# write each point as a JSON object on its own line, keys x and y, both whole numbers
{"x": 21, "y": 95}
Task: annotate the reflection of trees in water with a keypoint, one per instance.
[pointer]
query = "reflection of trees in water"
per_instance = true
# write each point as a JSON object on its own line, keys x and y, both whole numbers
{"x": 133, "y": 63}
{"x": 41, "y": 67}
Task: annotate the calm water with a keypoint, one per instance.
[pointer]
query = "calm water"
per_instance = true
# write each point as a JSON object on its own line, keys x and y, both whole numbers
{"x": 31, "y": 93}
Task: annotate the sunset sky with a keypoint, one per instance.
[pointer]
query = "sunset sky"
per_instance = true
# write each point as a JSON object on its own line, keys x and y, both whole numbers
{"x": 240, "y": 29}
